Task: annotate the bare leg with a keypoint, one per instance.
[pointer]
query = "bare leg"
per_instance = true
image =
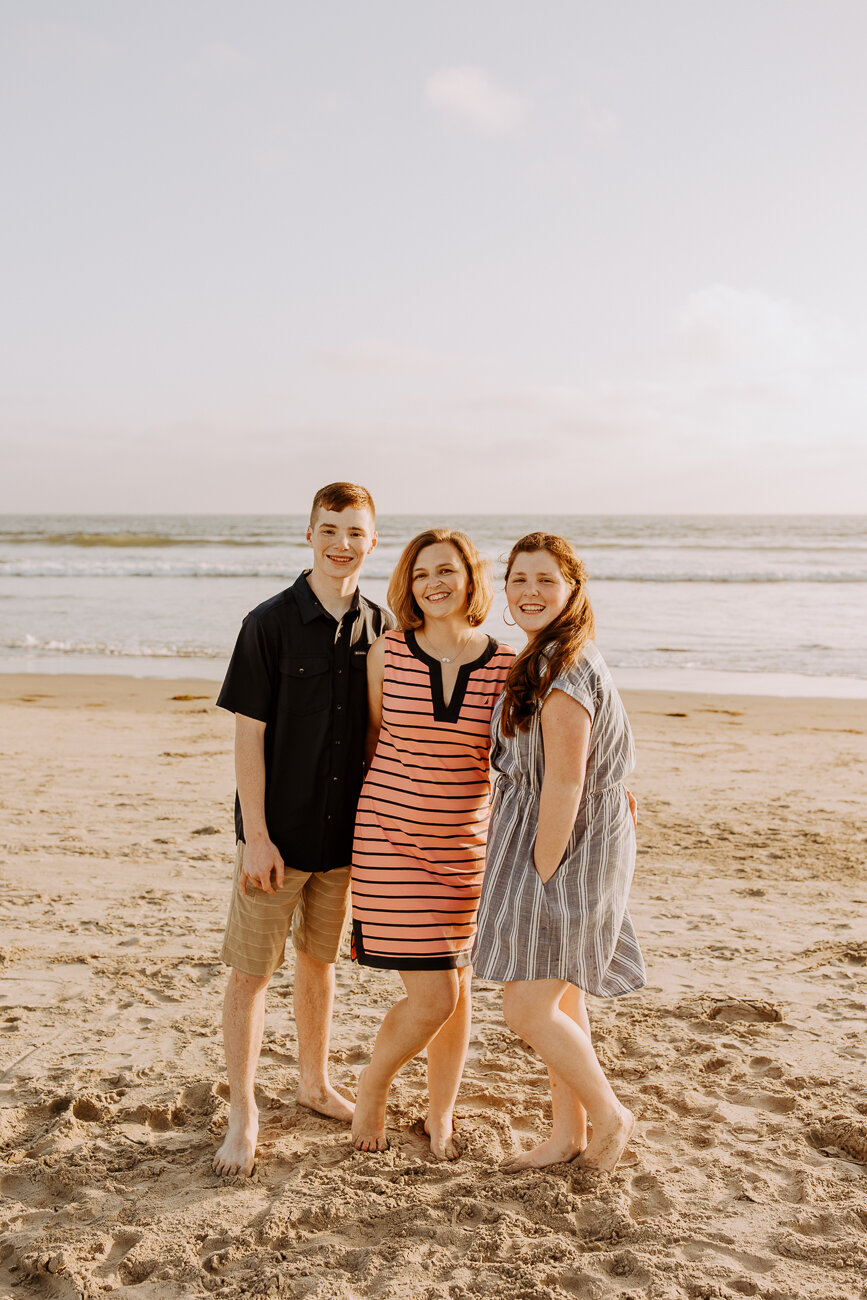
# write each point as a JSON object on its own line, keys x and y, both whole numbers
{"x": 431, "y": 1000}
{"x": 575, "y": 1006}
{"x": 446, "y": 1055}
{"x": 569, "y": 1118}
{"x": 243, "y": 1021}
{"x": 314, "y": 1001}
{"x": 532, "y": 1010}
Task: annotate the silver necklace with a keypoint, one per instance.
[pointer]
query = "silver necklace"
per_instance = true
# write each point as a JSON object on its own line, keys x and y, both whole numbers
{"x": 447, "y": 659}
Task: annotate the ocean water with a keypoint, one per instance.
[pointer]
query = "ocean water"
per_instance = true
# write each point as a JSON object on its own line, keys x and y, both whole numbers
{"x": 741, "y": 603}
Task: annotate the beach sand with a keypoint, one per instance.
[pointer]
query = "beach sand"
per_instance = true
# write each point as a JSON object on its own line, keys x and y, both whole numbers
{"x": 744, "y": 1058}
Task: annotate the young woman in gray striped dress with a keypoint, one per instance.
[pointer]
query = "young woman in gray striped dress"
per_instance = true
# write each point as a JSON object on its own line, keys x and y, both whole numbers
{"x": 553, "y": 922}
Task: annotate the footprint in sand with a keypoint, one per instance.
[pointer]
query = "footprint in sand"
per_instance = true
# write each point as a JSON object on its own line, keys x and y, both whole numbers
{"x": 729, "y": 1010}
{"x": 158, "y": 1118}
{"x": 842, "y": 1252}
{"x": 714, "y": 1064}
{"x": 199, "y": 1098}
{"x": 217, "y": 1252}
{"x": 764, "y": 1066}
{"x": 853, "y": 953}
{"x": 698, "y": 1250}
{"x": 122, "y": 1243}
{"x": 628, "y": 1265}
{"x": 90, "y": 1109}
{"x": 649, "y": 1197}
{"x": 137, "y": 1268}
{"x": 770, "y": 1102}
{"x": 841, "y": 1136}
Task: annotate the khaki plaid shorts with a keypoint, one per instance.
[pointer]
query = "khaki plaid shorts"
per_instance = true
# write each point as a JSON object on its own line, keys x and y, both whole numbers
{"x": 312, "y": 904}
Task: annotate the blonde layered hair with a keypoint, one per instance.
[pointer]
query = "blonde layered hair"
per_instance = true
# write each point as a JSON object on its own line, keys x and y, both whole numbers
{"x": 480, "y": 594}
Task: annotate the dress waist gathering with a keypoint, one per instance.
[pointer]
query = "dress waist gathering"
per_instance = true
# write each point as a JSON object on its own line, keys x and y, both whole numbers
{"x": 505, "y": 784}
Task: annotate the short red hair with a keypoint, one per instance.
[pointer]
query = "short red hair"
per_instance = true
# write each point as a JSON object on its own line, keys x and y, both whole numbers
{"x": 342, "y": 496}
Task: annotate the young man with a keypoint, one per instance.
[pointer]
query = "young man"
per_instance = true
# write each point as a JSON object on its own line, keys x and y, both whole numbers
{"x": 297, "y": 684}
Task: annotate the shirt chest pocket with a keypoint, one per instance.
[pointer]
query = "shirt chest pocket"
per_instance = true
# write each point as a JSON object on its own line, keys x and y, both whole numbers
{"x": 358, "y": 664}
{"x": 306, "y": 683}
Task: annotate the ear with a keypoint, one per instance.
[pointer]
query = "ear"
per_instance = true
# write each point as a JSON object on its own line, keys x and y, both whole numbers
{"x": 310, "y": 534}
{"x": 372, "y": 544}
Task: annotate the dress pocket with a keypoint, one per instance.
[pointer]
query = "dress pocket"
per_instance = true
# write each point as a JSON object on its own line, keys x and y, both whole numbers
{"x": 552, "y": 882}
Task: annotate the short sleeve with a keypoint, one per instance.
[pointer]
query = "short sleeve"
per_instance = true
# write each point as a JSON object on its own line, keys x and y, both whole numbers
{"x": 249, "y": 683}
{"x": 581, "y": 683}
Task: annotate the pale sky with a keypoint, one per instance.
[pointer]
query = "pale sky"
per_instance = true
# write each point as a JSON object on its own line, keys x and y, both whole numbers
{"x": 479, "y": 255}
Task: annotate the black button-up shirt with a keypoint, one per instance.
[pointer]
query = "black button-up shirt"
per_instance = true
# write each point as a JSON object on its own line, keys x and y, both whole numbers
{"x": 303, "y": 674}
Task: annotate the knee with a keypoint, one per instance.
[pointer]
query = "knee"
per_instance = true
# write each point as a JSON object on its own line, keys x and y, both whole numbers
{"x": 438, "y": 1005}
{"x": 244, "y": 986}
{"x": 313, "y": 968}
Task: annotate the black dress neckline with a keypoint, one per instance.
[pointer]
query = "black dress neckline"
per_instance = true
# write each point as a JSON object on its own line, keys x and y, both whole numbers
{"x": 450, "y": 712}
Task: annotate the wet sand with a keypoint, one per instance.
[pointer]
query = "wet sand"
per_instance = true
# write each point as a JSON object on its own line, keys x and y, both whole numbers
{"x": 744, "y": 1058}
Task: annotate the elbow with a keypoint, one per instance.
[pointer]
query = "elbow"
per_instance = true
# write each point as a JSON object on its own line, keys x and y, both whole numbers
{"x": 568, "y": 789}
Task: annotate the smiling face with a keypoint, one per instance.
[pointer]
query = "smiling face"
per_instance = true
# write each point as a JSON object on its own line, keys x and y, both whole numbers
{"x": 340, "y": 540}
{"x": 536, "y": 590}
{"x": 440, "y": 584}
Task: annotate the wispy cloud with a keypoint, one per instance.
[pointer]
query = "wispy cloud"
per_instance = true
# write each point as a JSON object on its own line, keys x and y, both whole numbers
{"x": 722, "y": 325}
{"x": 768, "y": 366}
{"x": 737, "y": 369}
{"x": 471, "y": 96}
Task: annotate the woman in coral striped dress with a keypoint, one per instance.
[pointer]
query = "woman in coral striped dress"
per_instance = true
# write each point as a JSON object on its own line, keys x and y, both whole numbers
{"x": 422, "y": 821}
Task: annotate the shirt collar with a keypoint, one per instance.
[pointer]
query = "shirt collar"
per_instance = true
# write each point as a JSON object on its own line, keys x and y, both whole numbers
{"x": 310, "y": 606}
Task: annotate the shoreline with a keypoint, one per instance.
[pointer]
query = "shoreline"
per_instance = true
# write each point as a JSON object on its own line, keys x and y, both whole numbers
{"x": 629, "y": 681}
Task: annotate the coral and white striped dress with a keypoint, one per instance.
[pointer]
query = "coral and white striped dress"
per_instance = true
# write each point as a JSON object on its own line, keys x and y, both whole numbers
{"x": 422, "y": 821}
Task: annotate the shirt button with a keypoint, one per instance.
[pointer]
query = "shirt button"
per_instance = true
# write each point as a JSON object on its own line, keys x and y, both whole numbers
{"x": 340, "y": 706}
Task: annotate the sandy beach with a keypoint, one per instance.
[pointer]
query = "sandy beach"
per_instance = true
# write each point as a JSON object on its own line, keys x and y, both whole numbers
{"x": 744, "y": 1058}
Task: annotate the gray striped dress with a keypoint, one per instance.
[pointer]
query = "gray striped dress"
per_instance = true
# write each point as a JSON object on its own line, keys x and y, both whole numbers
{"x": 576, "y": 926}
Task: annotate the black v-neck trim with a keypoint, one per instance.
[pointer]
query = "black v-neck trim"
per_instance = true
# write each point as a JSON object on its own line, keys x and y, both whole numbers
{"x": 450, "y": 712}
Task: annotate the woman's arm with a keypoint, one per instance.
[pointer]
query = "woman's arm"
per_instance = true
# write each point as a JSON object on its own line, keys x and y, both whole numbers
{"x": 375, "y": 676}
{"x": 566, "y": 736}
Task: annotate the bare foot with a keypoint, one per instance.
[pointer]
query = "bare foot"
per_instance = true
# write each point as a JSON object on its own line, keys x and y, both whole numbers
{"x": 607, "y": 1141}
{"x": 368, "y": 1122}
{"x": 556, "y": 1151}
{"x": 441, "y": 1132}
{"x": 237, "y": 1155}
{"x": 325, "y": 1100}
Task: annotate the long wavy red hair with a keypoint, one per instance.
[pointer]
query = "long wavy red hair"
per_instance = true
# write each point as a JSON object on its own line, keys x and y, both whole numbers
{"x": 556, "y": 647}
